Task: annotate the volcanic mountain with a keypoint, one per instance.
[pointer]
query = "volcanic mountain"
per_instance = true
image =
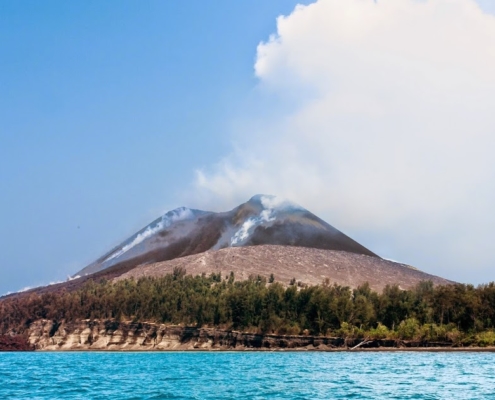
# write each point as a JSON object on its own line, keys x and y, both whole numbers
{"x": 263, "y": 220}
{"x": 265, "y": 235}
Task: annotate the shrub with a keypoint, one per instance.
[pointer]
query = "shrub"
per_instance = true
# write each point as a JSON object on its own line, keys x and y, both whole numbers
{"x": 486, "y": 338}
{"x": 454, "y": 335}
{"x": 289, "y": 329}
{"x": 380, "y": 332}
{"x": 349, "y": 331}
{"x": 408, "y": 329}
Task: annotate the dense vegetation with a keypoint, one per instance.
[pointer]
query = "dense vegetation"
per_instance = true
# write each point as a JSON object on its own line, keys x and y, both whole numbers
{"x": 459, "y": 313}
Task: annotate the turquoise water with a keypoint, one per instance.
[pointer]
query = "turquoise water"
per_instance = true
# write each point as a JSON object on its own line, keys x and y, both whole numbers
{"x": 197, "y": 375}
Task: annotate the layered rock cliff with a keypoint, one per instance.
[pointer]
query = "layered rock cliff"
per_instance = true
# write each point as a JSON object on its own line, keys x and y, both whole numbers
{"x": 130, "y": 336}
{"x": 111, "y": 335}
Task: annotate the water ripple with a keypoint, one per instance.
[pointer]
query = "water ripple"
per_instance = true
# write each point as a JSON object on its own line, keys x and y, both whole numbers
{"x": 229, "y": 375}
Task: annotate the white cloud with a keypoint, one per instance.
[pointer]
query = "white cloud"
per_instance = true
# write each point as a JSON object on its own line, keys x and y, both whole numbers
{"x": 386, "y": 129}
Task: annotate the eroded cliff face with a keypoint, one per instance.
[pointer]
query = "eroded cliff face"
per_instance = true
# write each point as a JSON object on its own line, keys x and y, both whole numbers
{"x": 112, "y": 335}
{"x": 146, "y": 336}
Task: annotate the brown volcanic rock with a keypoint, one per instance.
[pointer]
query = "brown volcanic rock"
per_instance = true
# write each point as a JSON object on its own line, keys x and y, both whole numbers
{"x": 307, "y": 265}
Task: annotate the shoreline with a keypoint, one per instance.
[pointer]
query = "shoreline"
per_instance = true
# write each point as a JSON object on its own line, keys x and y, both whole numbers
{"x": 114, "y": 336}
{"x": 281, "y": 350}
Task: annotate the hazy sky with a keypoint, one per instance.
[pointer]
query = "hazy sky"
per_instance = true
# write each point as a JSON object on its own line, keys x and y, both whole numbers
{"x": 377, "y": 116}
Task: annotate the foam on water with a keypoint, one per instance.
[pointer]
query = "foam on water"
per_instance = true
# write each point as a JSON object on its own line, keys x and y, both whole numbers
{"x": 246, "y": 375}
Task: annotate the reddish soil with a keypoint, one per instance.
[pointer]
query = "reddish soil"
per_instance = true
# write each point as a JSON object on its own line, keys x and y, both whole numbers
{"x": 14, "y": 343}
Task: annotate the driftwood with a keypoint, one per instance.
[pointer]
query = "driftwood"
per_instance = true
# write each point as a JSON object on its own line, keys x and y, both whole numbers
{"x": 364, "y": 342}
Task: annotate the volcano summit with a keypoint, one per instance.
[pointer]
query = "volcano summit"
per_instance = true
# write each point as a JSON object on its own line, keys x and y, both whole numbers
{"x": 263, "y": 236}
{"x": 263, "y": 220}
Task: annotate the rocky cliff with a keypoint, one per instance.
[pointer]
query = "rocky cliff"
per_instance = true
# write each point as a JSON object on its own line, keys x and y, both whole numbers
{"x": 111, "y": 335}
{"x": 130, "y": 336}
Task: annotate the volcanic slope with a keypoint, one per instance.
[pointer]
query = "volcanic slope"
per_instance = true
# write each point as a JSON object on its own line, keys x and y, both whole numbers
{"x": 263, "y": 220}
{"x": 305, "y": 265}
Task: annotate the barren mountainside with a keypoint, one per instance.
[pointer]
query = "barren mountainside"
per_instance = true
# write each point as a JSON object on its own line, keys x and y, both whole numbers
{"x": 305, "y": 265}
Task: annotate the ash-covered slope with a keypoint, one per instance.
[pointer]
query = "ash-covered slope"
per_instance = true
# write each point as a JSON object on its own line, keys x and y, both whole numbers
{"x": 287, "y": 263}
{"x": 263, "y": 220}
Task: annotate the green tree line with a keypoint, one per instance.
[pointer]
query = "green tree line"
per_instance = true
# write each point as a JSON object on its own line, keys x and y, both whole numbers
{"x": 457, "y": 313}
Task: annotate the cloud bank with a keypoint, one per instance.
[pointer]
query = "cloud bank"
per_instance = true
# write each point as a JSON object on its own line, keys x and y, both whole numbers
{"x": 383, "y": 124}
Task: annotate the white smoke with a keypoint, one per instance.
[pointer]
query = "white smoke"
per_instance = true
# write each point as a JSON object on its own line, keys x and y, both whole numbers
{"x": 168, "y": 219}
{"x": 382, "y": 123}
{"x": 271, "y": 204}
{"x": 276, "y": 203}
{"x": 243, "y": 233}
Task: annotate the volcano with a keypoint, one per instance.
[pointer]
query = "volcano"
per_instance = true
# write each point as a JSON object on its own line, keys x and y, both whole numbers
{"x": 263, "y": 220}
{"x": 265, "y": 236}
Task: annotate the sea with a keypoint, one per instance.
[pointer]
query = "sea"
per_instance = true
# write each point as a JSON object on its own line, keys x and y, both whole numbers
{"x": 247, "y": 375}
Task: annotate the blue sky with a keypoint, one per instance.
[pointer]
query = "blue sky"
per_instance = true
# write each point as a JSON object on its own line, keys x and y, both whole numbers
{"x": 109, "y": 109}
{"x": 106, "y": 109}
